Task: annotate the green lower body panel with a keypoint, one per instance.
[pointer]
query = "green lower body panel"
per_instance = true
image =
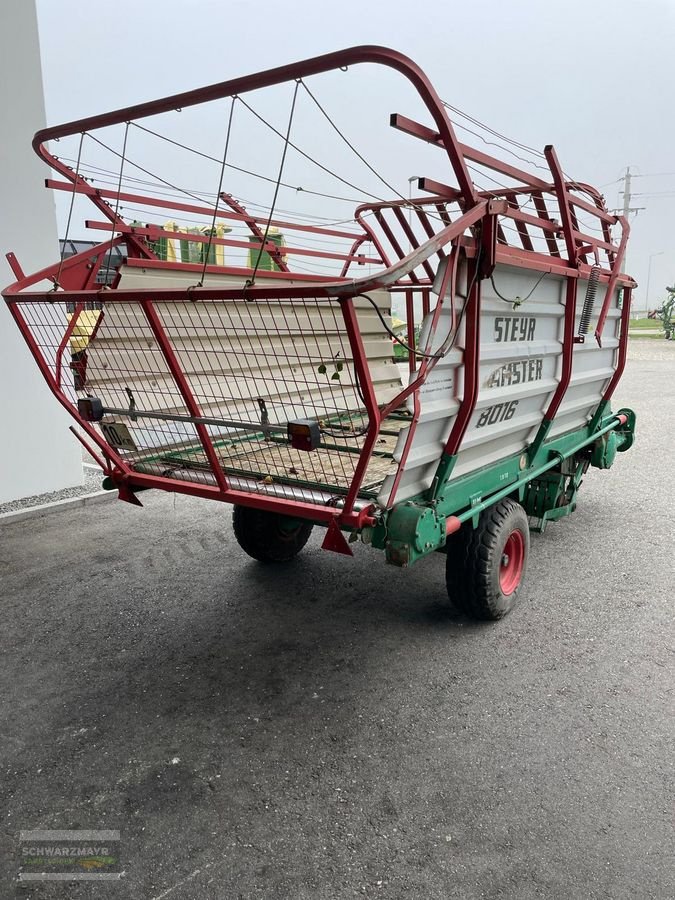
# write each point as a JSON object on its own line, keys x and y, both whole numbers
{"x": 545, "y": 482}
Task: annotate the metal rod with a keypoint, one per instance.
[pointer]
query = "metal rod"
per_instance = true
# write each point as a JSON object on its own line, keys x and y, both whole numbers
{"x": 249, "y": 427}
{"x": 314, "y": 505}
{"x": 531, "y": 475}
{"x": 185, "y": 391}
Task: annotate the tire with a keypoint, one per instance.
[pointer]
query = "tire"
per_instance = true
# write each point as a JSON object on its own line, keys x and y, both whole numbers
{"x": 269, "y": 537}
{"x": 485, "y": 565}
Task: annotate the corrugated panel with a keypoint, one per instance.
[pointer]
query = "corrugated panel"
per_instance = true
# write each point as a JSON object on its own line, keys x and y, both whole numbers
{"x": 520, "y": 352}
{"x": 292, "y": 354}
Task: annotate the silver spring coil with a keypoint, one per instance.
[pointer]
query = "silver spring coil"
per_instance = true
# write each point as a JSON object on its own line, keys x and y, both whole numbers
{"x": 589, "y": 300}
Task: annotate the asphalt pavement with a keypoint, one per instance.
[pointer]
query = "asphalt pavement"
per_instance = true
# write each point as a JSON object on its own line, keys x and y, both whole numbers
{"x": 334, "y": 729}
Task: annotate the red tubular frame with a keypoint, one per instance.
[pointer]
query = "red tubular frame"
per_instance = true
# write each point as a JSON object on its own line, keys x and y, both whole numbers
{"x": 409, "y": 272}
{"x": 471, "y": 367}
{"x": 154, "y": 232}
{"x": 246, "y": 84}
{"x": 64, "y": 342}
{"x": 374, "y": 415}
{"x": 623, "y": 346}
{"x": 257, "y": 232}
{"x": 60, "y": 396}
{"x": 86, "y": 190}
{"x": 568, "y": 350}
{"x": 186, "y": 392}
{"x": 613, "y": 281}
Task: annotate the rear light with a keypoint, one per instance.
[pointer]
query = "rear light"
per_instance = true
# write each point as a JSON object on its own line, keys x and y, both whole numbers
{"x": 90, "y": 409}
{"x": 304, "y": 434}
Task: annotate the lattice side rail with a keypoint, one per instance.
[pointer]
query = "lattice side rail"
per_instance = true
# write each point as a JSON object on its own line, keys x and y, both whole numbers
{"x": 202, "y": 392}
{"x": 157, "y": 356}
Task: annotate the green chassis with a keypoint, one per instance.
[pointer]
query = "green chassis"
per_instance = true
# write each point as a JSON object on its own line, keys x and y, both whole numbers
{"x": 544, "y": 478}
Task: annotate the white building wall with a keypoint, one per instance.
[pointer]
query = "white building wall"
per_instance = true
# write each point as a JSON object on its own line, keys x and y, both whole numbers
{"x": 37, "y": 452}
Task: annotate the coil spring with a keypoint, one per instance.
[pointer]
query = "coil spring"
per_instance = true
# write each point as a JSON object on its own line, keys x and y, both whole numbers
{"x": 589, "y": 301}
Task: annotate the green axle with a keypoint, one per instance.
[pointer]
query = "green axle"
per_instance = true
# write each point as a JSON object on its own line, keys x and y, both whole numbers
{"x": 545, "y": 482}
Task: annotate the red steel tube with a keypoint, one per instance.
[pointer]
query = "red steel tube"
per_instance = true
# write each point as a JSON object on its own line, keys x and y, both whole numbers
{"x": 567, "y": 349}
{"x": 64, "y": 343}
{"x": 223, "y": 242}
{"x": 185, "y": 391}
{"x": 370, "y": 400}
{"x": 471, "y": 371}
{"x": 303, "y": 69}
{"x": 623, "y": 345}
{"x": 60, "y": 396}
{"x": 178, "y": 206}
{"x": 563, "y": 202}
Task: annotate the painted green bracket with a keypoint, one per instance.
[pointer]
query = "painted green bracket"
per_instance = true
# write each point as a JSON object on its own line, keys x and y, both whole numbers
{"x": 539, "y": 439}
{"x": 546, "y": 485}
{"x": 626, "y": 433}
{"x": 553, "y": 495}
{"x": 411, "y": 531}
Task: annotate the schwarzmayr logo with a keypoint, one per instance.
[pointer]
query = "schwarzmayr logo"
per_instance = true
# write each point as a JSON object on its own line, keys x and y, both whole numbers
{"x": 69, "y": 855}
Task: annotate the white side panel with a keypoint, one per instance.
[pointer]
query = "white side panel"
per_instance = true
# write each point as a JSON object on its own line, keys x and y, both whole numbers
{"x": 520, "y": 367}
{"x": 293, "y": 354}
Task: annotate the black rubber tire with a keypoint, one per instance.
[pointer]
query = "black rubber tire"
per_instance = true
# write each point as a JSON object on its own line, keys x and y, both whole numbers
{"x": 266, "y": 537}
{"x": 474, "y": 562}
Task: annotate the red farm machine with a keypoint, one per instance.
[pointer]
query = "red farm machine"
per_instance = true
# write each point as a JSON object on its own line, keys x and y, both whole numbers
{"x": 231, "y": 338}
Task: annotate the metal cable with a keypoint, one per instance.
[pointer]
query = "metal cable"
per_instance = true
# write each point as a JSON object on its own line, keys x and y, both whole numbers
{"x": 292, "y": 187}
{"x": 117, "y": 203}
{"x": 487, "y": 128}
{"x": 148, "y": 172}
{"x": 518, "y": 300}
{"x": 392, "y": 334}
{"x": 97, "y": 171}
{"x": 311, "y": 158}
{"x": 212, "y": 230}
{"x": 505, "y": 149}
{"x": 352, "y": 147}
{"x": 251, "y": 281}
{"x": 57, "y": 280}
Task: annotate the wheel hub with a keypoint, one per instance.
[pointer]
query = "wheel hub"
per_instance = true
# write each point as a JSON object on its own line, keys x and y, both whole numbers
{"x": 513, "y": 558}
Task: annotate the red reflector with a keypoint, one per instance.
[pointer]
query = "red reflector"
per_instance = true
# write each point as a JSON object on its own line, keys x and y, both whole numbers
{"x": 304, "y": 434}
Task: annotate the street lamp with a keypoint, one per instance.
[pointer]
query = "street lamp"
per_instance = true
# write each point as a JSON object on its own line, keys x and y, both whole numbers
{"x": 649, "y": 275}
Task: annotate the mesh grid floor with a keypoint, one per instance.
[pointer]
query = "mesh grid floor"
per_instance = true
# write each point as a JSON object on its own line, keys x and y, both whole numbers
{"x": 285, "y": 464}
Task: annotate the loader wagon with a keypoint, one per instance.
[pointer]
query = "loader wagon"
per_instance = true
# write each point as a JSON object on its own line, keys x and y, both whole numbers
{"x": 231, "y": 337}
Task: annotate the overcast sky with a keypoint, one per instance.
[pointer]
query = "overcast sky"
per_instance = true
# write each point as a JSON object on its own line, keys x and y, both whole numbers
{"x": 595, "y": 78}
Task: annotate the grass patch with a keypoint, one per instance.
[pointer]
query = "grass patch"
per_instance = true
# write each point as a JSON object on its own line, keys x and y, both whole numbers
{"x": 637, "y": 335}
{"x": 644, "y": 323}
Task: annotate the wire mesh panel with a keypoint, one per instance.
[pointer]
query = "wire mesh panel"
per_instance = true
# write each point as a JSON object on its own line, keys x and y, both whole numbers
{"x": 47, "y": 324}
{"x": 125, "y": 371}
{"x": 245, "y": 370}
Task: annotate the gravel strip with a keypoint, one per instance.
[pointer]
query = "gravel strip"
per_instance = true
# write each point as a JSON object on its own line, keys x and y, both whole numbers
{"x": 650, "y": 349}
{"x": 91, "y": 485}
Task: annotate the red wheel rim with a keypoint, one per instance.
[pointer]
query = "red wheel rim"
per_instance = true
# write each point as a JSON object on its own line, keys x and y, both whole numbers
{"x": 513, "y": 559}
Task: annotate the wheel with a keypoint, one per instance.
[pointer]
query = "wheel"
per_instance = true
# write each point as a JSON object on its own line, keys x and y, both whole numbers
{"x": 269, "y": 537}
{"x": 485, "y": 565}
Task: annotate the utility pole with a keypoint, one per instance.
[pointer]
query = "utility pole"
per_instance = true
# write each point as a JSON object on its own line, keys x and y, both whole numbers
{"x": 627, "y": 208}
{"x": 626, "y": 192}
